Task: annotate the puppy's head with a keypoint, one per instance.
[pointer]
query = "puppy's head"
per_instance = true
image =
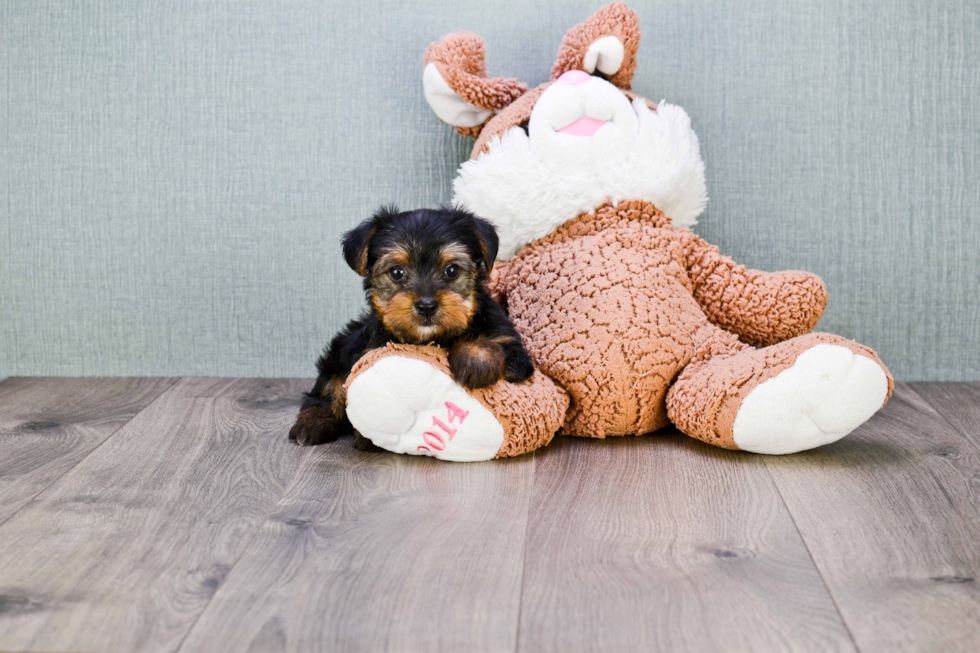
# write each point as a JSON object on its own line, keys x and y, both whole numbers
{"x": 422, "y": 269}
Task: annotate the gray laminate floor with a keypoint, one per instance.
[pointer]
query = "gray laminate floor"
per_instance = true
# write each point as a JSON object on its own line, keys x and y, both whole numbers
{"x": 173, "y": 515}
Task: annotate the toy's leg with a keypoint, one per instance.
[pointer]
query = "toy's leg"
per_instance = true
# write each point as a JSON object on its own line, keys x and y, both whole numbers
{"x": 796, "y": 395}
{"x": 404, "y": 399}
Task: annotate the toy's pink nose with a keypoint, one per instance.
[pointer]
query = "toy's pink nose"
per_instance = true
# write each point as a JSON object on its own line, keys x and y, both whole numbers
{"x": 574, "y": 77}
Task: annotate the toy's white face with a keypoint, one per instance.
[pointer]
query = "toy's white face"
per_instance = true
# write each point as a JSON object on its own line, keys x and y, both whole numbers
{"x": 586, "y": 144}
{"x": 582, "y": 125}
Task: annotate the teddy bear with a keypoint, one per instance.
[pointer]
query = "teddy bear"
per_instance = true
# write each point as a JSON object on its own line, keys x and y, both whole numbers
{"x": 633, "y": 322}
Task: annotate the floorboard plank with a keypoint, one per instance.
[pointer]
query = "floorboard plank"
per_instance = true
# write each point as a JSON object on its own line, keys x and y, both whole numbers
{"x": 47, "y": 425}
{"x": 375, "y": 551}
{"x": 663, "y": 543}
{"x": 958, "y": 403}
{"x": 891, "y": 516}
{"x": 123, "y": 552}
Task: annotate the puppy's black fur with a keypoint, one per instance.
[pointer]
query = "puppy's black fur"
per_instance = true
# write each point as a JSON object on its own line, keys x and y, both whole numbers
{"x": 425, "y": 275}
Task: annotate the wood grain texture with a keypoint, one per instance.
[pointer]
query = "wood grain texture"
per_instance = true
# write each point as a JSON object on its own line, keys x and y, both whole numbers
{"x": 958, "y": 403}
{"x": 196, "y": 526}
{"x": 891, "y": 517}
{"x": 47, "y": 425}
{"x": 663, "y": 543}
{"x": 124, "y": 551}
{"x": 374, "y": 551}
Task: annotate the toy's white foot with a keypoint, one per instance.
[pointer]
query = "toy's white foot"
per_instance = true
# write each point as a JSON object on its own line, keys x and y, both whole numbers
{"x": 827, "y": 393}
{"x": 406, "y": 405}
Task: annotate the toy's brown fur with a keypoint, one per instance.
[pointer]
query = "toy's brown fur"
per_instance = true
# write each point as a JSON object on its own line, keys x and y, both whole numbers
{"x": 618, "y": 305}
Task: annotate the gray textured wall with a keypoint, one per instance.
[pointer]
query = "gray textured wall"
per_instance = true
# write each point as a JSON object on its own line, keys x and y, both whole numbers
{"x": 174, "y": 177}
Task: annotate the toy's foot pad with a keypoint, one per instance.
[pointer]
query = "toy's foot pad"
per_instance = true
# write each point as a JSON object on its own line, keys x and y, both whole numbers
{"x": 406, "y": 405}
{"x": 828, "y": 392}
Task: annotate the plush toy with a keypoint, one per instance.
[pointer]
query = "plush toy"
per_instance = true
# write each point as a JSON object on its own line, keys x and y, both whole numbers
{"x": 642, "y": 323}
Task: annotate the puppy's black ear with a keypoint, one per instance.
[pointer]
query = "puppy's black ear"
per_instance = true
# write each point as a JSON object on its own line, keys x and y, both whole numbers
{"x": 488, "y": 241}
{"x": 357, "y": 241}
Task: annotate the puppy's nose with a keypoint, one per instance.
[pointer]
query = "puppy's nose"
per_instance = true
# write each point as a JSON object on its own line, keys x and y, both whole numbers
{"x": 427, "y": 306}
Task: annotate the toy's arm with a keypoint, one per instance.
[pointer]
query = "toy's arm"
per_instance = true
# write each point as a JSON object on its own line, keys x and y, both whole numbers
{"x": 763, "y": 308}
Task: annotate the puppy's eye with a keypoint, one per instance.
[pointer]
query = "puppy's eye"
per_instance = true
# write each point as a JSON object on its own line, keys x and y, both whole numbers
{"x": 452, "y": 270}
{"x": 396, "y": 274}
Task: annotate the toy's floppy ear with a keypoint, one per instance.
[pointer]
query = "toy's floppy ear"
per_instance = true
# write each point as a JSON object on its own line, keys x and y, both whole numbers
{"x": 605, "y": 44}
{"x": 357, "y": 241}
{"x": 456, "y": 85}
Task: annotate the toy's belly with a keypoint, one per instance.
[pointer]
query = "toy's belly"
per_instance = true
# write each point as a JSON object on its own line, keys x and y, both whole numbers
{"x": 612, "y": 324}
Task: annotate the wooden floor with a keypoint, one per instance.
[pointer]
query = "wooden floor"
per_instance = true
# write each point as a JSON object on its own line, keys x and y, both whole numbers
{"x": 174, "y": 515}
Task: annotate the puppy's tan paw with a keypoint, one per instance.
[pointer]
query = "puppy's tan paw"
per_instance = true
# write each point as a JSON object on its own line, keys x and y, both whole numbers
{"x": 476, "y": 363}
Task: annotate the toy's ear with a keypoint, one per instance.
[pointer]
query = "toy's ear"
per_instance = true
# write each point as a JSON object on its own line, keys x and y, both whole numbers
{"x": 357, "y": 241}
{"x": 605, "y": 45}
{"x": 456, "y": 85}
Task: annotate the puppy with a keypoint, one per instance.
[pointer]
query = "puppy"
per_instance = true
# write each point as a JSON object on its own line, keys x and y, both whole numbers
{"x": 425, "y": 275}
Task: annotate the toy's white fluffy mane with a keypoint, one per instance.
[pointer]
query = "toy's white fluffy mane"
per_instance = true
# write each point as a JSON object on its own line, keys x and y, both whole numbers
{"x": 512, "y": 187}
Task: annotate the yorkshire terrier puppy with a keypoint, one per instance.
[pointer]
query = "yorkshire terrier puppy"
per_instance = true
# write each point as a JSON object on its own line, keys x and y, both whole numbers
{"x": 425, "y": 275}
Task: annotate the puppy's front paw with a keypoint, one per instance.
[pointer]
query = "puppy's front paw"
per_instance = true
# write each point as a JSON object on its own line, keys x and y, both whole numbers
{"x": 518, "y": 367}
{"x": 316, "y": 426}
{"x": 476, "y": 363}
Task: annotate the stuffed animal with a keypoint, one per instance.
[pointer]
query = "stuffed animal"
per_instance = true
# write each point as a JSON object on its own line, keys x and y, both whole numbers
{"x": 591, "y": 188}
